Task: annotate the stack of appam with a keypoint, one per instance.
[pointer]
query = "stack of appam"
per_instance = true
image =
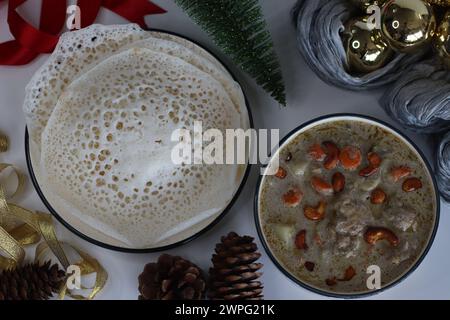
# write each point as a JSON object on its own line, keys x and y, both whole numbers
{"x": 100, "y": 115}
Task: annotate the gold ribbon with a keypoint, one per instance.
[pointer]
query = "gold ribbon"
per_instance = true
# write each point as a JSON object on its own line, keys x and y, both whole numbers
{"x": 10, "y": 245}
{"x": 31, "y": 228}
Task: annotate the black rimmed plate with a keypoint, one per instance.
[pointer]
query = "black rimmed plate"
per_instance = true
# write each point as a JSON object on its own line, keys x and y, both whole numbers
{"x": 153, "y": 249}
{"x": 367, "y": 119}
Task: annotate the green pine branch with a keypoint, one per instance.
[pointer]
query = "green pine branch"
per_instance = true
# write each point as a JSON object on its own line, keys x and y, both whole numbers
{"x": 239, "y": 29}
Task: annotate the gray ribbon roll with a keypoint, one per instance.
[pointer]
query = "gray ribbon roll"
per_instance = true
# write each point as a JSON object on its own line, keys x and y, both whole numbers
{"x": 319, "y": 23}
{"x": 443, "y": 167}
{"x": 420, "y": 99}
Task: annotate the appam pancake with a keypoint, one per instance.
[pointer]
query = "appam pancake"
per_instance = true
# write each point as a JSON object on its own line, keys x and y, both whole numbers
{"x": 100, "y": 135}
{"x": 106, "y": 148}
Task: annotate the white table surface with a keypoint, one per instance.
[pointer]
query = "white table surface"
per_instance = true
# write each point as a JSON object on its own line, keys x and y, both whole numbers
{"x": 308, "y": 97}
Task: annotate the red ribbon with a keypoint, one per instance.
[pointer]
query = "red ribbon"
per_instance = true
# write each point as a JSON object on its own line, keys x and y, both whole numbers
{"x": 29, "y": 42}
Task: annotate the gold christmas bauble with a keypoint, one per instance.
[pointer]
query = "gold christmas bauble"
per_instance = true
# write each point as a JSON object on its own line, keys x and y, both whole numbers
{"x": 365, "y": 48}
{"x": 408, "y": 25}
{"x": 441, "y": 41}
{"x": 443, "y": 3}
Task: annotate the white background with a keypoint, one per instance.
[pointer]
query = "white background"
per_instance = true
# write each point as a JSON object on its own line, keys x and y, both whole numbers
{"x": 308, "y": 97}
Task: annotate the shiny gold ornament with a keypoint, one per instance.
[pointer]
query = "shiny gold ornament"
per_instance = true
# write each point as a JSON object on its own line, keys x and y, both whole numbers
{"x": 408, "y": 25}
{"x": 366, "y": 50}
{"x": 443, "y": 3}
{"x": 441, "y": 41}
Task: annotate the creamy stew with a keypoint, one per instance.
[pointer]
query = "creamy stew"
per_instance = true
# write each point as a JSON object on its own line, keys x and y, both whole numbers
{"x": 347, "y": 195}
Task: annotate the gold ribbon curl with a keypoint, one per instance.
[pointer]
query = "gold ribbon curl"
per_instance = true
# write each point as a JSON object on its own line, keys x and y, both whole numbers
{"x": 20, "y": 227}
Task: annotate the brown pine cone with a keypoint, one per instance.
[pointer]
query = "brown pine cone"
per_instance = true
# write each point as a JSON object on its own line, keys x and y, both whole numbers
{"x": 171, "y": 278}
{"x": 234, "y": 273}
{"x": 31, "y": 282}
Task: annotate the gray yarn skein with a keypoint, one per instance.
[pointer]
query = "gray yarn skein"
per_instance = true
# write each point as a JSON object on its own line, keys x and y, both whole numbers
{"x": 420, "y": 99}
{"x": 319, "y": 23}
{"x": 443, "y": 167}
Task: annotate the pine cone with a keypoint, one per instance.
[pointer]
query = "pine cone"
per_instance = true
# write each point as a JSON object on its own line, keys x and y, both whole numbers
{"x": 171, "y": 278}
{"x": 234, "y": 273}
{"x": 31, "y": 282}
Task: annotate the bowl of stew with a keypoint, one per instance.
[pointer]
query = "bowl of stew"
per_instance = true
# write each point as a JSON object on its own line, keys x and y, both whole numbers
{"x": 349, "y": 206}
